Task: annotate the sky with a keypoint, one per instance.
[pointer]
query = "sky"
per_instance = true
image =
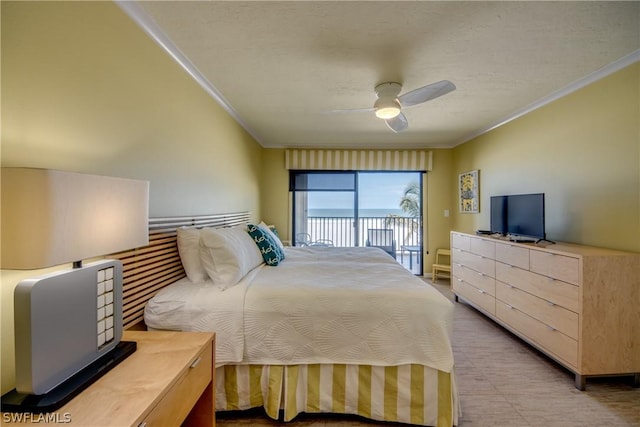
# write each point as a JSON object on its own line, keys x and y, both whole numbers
{"x": 376, "y": 190}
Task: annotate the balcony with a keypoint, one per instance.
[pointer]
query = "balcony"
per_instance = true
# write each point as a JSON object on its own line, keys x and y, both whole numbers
{"x": 341, "y": 231}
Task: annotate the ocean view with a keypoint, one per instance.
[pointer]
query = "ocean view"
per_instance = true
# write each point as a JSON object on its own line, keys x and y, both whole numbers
{"x": 348, "y": 213}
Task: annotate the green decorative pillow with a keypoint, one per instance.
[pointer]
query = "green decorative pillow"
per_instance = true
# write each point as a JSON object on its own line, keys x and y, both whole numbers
{"x": 271, "y": 252}
{"x": 271, "y": 229}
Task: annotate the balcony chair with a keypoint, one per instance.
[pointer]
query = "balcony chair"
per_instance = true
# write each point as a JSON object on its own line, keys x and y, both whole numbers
{"x": 382, "y": 238}
{"x": 304, "y": 239}
{"x": 441, "y": 267}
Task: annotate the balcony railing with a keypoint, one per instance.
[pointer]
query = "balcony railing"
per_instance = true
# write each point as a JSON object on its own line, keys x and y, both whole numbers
{"x": 342, "y": 230}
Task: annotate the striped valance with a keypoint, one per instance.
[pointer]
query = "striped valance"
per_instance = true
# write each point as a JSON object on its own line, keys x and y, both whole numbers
{"x": 378, "y": 160}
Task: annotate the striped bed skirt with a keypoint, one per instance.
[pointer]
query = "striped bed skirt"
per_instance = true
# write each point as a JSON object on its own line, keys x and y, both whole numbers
{"x": 412, "y": 394}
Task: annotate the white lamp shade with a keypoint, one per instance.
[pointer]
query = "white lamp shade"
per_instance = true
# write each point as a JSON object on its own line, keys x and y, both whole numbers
{"x": 53, "y": 217}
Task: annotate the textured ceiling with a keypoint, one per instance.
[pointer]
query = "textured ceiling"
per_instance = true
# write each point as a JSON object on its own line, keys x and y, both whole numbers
{"x": 282, "y": 67}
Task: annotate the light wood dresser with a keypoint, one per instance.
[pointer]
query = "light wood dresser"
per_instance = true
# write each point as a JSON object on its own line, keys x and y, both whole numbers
{"x": 168, "y": 381}
{"x": 580, "y": 305}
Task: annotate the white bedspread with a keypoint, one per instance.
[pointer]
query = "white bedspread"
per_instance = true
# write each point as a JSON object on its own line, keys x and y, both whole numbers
{"x": 321, "y": 305}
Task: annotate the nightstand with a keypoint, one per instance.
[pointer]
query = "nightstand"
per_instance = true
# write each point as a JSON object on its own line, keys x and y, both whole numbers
{"x": 167, "y": 381}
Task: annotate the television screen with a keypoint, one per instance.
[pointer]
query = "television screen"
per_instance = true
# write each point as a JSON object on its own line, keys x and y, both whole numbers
{"x": 498, "y": 214}
{"x": 518, "y": 215}
{"x": 525, "y": 215}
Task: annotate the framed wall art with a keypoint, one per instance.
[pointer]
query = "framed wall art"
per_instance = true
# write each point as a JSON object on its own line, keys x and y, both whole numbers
{"x": 469, "y": 189}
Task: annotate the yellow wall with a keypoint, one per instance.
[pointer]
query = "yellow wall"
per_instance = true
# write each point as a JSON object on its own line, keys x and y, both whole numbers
{"x": 275, "y": 198}
{"x": 85, "y": 90}
{"x": 438, "y": 199}
{"x": 582, "y": 151}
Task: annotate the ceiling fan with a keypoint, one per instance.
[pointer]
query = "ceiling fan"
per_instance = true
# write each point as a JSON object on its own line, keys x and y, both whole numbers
{"x": 388, "y": 106}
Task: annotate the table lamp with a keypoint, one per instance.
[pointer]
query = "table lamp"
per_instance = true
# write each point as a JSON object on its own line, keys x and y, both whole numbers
{"x": 68, "y": 324}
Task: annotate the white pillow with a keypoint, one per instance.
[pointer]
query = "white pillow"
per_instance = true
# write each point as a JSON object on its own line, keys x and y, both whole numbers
{"x": 189, "y": 250}
{"x": 266, "y": 228}
{"x": 227, "y": 254}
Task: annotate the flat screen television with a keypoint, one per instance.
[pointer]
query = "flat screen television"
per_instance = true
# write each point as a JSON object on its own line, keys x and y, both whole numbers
{"x": 519, "y": 215}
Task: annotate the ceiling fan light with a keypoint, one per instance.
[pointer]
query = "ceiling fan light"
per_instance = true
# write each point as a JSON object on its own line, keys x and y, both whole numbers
{"x": 387, "y": 112}
{"x": 387, "y": 108}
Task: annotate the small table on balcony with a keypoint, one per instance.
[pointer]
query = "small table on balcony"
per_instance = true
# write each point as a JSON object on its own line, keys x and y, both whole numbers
{"x": 411, "y": 249}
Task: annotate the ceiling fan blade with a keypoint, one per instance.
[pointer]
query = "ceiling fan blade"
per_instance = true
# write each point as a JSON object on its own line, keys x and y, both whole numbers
{"x": 398, "y": 123}
{"x": 349, "y": 110}
{"x": 426, "y": 93}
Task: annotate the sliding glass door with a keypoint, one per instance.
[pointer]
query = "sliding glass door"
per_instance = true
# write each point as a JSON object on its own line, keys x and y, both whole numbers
{"x": 358, "y": 209}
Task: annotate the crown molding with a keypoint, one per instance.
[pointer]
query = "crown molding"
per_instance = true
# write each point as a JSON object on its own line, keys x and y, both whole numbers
{"x": 149, "y": 26}
{"x": 603, "y": 72}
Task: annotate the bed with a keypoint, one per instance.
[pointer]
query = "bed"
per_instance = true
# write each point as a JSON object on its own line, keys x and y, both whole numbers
{"x": 340, "y": 330}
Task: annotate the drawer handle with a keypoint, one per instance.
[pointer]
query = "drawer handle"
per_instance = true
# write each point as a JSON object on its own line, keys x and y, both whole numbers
{"x": 196, "y": 362}
{"x": 510, "y": 307}
{"x": 552, "y": 304}
{"x": 143, "y": 424}
{"x": 481, "y": 291}
{"x": 509, "y": 286}
{"x": 479, "y": 274}
{"x": 551, "y": 328}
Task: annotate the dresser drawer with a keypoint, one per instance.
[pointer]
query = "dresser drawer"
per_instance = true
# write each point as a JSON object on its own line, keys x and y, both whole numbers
{"x": 483, "y": 247}
{"x": 459, "y": 241}
{"x": 512, "y": 255}
{"x": 550, "y": 314}
{"x": 547, "y": 288}
{"x": 559, "y": 267}
{"x": 550, "y": 340}
{"x": 176, "y": 404}
{"x": 474, "y": 295}
{"x": 475, "y": 262}
{"x": 475, "y": 278}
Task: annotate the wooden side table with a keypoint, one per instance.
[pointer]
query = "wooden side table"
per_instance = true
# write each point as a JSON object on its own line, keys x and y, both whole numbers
{"x": 168, "y": 381}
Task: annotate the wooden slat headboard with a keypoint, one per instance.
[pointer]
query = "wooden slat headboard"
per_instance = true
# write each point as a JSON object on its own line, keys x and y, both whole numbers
{"x": 150, "y": 268}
